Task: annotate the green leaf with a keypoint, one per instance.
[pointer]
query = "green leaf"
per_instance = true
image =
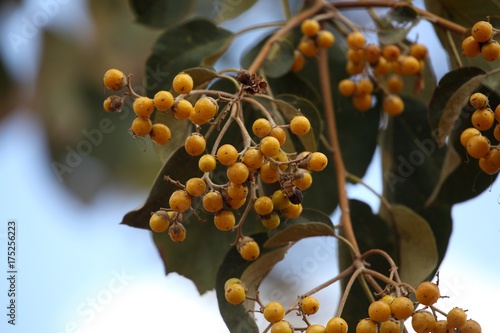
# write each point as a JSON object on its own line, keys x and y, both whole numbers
{"x": 161, "y": 13}
{"x": 236, "y": 317}
{"x": 181, "y": 47}
{"x": 450, "y": 97}
{"x": 226, "y": 10}
{"x": 418, "y": 255}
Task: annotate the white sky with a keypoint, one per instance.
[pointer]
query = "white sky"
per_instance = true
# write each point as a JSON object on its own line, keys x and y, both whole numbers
{"x": 79, "y": 271}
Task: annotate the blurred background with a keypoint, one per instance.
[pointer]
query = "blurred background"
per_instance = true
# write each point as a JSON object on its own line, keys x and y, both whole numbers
{"x": 69, "y": 172}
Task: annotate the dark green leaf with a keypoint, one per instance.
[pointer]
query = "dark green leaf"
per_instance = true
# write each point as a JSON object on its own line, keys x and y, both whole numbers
{"x": 236, "y": 317}
{"x": 161, "y": 13}
{"x": 226, "y": 10}
{"x": 181, "y": 47}
{"x": 417, "y": 246}
{"x": 299, "y": 231}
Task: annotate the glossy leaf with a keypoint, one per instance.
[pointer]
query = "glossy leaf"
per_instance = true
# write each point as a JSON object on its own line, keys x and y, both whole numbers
{"x": 418, "y": 255}
{"x": 161, "y": 13}
{"x": 179, "y": 48}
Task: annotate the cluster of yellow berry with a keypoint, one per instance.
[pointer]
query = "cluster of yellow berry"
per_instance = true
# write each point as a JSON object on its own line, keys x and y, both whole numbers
{"x": 143, "y": 107}
{"x": 261, "y": 161}
{"x": 385, "y": 315}
{"x": 478, "y": 145}
{"x": 313, "y": 39}
{"x": 481, "y": 42}
{"x": 384, "y": 65}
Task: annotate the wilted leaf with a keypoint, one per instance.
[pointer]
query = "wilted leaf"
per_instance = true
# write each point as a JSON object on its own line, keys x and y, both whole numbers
{"x": 161, "y": 13}
{"x": 417, "y": 246}
{"x": 179, "y": 48}
{"x": 454, "y": 91}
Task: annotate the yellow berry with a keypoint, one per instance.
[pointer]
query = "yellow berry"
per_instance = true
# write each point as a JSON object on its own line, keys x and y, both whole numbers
{"x": 317, "y": 161}
{"x": 180, "y": 201}
{"x": 497, "y": 113}
{"x": 310, "y": 27}
{"x": 253, "y": 159}
{"x": 467, "y": 134}
{"x": 419, "y": 51}
{"x": 182, "y": 109}
{"x": 292, "y": 211}
{"x": 261, "y": 127}
{"x": 478, "y": 146}
{"x": 298, "y": 61}
{"x": 268, "y": 174}
{"x": 160, "y": 220}
{"x": 237, "y": 191}
{"x": 382, "y": 67}
{"x": 271, "y": 221}
{"x": 393, "y": 105}
{"x": 336, "y": 325}
{"x": 300, "y": 125}
{"x": 235, "y": 294}
{"x": 163, "y": 100}
{"x": 372, "y": 53}
{"x": 362, "y": 102}
{"x": 483, "y": 119}
{"x": 482, "y": 31}
{"x": 478, "y": 100}
{"x": 249, "y": 249}
{"x": 160, "y": 134}
{"x": 325, "y": 39}
{"x": 177, "y": 232}
{"x": 355, "y": 56}
{"x": 366, "y": 325}
{"x": 427, "y": 293}
{"x": 389, "y": 326}
{"x": 487, "y": 167}
{"x": 227, "y": 154}
{"x": 232, "y": 281}
{"x": 395, "y": 83}
{"x": 309, "y": 305}
{"x": 141, "y": 126}
{"x": 391, "y": 52}
{"x": 493, "y": 157}
{"x": 491, "y": 50}
{"x": 237, "y": 173}
{"x": 423, "y": 322}
{"x": 471, "y": 326}
{"x": 182, "y": 83}
{"x": 410, "y": 65}
{"x": 347, "y": 87}
{"x": 456, "y": 318}
{"x": 196, "y": 187}
{"x": 195, "y": 144}
{"x": 207, "y": 163}
{"x": 316, "y": 328}
{"x": 354, "y": 68}
{"x": 496, "y": 132}
{"x": 279, "y": 134}
{"x": 274, "y": 312}
{"x": 269, "y": 146}
{"x": 364, "y": 86}
{"x": 143, "y": 106}
{"x": 114, "y": 79}
{"x": 356, "y": 40}
{"x": 303, "y": 180}
{"x": 471, "y": 47}
{"x": 307, "y": 47}
{"x": 263, "y": 205}
{"x": 204, "y": 109}
{"x": 224, "y": 220}
{"x": 379, "y": 311}
{"x": 441, "y": 326}
{"x": 212, "y": 201}
{"x": 402, "y": 307}
{"x": 282, "y": 327}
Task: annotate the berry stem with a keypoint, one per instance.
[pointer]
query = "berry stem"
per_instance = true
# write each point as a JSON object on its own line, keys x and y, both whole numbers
{"x": 347, "y": 289}
{"x": 326, "y": 92}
